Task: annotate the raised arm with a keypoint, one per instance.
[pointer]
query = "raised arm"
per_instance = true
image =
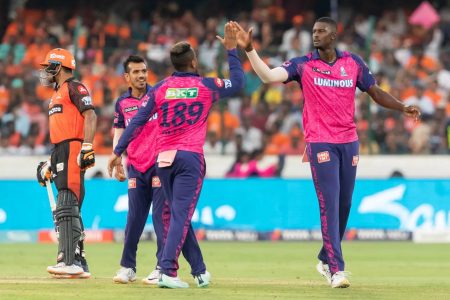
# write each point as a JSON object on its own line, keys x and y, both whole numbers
{"x": 266, "y": 74}
{"x": 228, "y": 87}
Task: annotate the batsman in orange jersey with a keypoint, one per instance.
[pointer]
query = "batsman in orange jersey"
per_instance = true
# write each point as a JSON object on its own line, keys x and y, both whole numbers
{"x": 72, "y": 123}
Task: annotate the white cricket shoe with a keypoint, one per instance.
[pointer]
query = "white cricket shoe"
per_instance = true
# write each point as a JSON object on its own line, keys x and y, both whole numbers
{"x": 171, "y": 282}
{"x": 324, "y": 270}
{"x": 125, "y": 275}
{"x": 62, "y": 269}
{"x": 152, "y": 278}
{"x": 340, "y": 280}
{"x": 203, "y": 280}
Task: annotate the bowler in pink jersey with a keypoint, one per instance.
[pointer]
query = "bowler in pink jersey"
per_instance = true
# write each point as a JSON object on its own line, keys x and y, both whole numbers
{"x": 328, "y": 78}
{"x": 182, "y": 102}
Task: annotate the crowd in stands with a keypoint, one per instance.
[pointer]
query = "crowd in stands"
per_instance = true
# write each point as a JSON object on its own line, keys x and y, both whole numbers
{"x": 410, "y": 62}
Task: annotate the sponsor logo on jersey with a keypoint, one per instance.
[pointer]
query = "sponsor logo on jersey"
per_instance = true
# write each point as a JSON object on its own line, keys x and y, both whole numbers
{"x": 55, "y": 109}
{"x": 132, "y": 183}
{"x": 87, "y": 100}
{"x": 315, "y": 69}
{"x": 82, "y": 90}
{"x": 343, "y": 73}
{"x": 347, "y": 83}
{"x": 59, "y": 167}
{"x": 131, "y": 108}
{"x": 323, "y": 156}
{"x": 355, "y": 160}
{"x": 156, "y": 182}
{"x": 182, "y": 93}
{"x": 219, "y": 82}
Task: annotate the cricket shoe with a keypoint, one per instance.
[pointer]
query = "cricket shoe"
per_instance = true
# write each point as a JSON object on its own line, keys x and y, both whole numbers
{"x": 340, "y": 280}
{"x": 324, "y": 270}
{"x": 203, "y": 280}
{"x": 62, "y": 269}
{"x": 125, "y": 275}
{"x": 152, "y": 278}
{"x": 171, "y": 282}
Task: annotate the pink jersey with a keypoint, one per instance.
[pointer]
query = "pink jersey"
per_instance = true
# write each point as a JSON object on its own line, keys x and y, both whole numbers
{"x": 329, "y": 94}
{"x": 141, "y": 152}
{"x": 182, "y": 102}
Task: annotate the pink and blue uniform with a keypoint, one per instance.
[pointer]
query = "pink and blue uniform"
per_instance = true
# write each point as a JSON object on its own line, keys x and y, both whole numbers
{"x": 331, "y": 137}
{"x": 141, "y": 174}
{"x": 182, "y": 102}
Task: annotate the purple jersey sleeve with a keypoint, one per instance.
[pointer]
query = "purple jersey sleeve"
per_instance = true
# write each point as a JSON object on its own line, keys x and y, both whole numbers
{"x": 294, "y": 67}
{"x": 227, "y": 87}
{"x": 140, "y": 119}
{"x": 119, "y": 120}
{"x": 365, "y": 78}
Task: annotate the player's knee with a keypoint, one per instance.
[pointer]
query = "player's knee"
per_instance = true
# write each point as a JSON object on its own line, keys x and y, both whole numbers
{"x": 67, "y": 206}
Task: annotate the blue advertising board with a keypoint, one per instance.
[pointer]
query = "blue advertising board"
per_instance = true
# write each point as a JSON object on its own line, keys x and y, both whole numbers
{"x": 247, "y": 204}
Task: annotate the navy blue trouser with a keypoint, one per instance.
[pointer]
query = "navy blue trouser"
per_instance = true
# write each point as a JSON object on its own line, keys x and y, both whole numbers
{"x": 140, "y": 197}
{"x": 182, "y": 183}
{"x": 333, "y": 169}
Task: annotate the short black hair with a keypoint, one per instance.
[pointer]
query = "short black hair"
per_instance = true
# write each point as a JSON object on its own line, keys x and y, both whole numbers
{"x": 181, "y": 56}
{"x": 329, "y": 21}
{"x": 132, "y": 59}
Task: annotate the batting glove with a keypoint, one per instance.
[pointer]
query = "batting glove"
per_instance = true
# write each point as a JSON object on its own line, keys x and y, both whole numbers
{"x": 86, "y": 158}
{"x": 44, "y": 172}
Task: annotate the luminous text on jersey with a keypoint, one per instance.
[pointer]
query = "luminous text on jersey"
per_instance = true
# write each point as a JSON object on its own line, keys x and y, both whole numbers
{"x": 182, "y": 93}
{"x": 347, "y": 83}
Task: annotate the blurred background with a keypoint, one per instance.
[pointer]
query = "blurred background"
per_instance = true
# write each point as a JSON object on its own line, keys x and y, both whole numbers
{"x": 257, "y": 134}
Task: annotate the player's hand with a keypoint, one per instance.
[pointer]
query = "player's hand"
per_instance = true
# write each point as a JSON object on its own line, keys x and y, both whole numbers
{"x": 43, "y": 172}
{"x": 412, "y": 111}
{"x": 244, "y": 38}
{"x": 229, "y": 40}
{"x": 120, "y": 173}
{"x": 113, "y": 161}
{"x": 86, "y": 158}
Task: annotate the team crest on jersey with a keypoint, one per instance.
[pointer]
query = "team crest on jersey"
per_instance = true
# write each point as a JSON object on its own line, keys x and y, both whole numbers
{"x": 227, "y": 83}
{"x": 343, "y": 73}
{"x": 355, "y": 160}
{"x": 326, "y": 72}
{"x": 156, "y": 182}
{"x": 82, "y": 90}
{"x": 323, "y": 156}
{"x": 132, "y": 183}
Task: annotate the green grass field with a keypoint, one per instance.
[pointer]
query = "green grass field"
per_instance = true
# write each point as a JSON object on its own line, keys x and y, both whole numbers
{"x": 263, "y": 270}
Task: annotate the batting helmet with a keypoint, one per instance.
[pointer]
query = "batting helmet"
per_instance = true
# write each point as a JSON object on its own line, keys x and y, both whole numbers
{"x": 61, "y": 57}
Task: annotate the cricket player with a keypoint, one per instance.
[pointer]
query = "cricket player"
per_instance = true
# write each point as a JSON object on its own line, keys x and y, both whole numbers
{"x": 328, "y": 78}
{"x": 72, "y": 123}
{"x": 182, "y": 102}
{"x": 144, "y": 186}
{"x": 143, "y": 183}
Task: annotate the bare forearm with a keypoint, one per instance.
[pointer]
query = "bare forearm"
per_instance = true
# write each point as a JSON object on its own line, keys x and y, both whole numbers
{"x": 117, "y": 134}
{"x": 263, "y": 71}
{"x": 385, "y": 99}
{"x": 90, "y": 125}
